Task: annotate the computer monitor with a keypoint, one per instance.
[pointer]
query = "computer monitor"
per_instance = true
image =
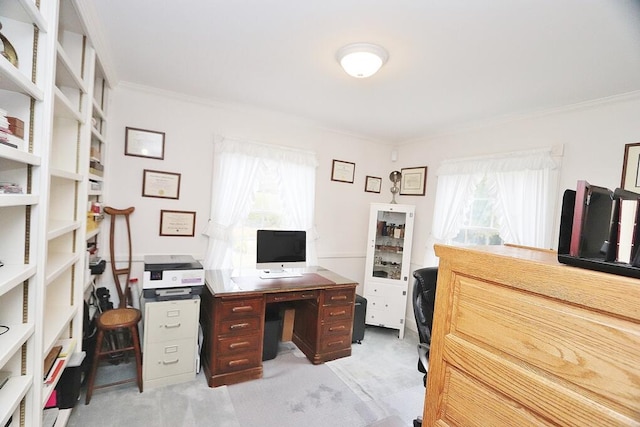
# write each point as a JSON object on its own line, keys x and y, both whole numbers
{"x": 277, "y": 250}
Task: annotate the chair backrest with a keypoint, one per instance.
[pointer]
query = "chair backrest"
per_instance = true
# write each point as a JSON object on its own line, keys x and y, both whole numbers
{"x": 424, "y": 295}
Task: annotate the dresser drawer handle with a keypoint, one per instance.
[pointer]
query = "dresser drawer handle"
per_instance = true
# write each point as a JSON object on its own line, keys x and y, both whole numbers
{"x": 337, "y": 328}
{"x": 238, "y": 362}
{"x": 170, "y": 362}
{"x": 239, "y": 344}
{"x": 338, "y": 313}
{"x": 242, "y": 309}
{"x": 331, "y": 344}
{"x": 338, "y": 297}
{"x": 172, "y": 326}
{"x": 239, "y": 325}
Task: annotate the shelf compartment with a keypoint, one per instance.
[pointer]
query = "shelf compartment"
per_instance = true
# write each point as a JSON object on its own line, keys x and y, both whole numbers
{"x": 8, "y": 200}
{"x": 58, "y": 263}
{"x": 57, "y": 319}
{"x": 58, "y": 228}
{"x": 13, "y": 80}
{"x": 47, "y": 389}
{"x": 11, "y": 340}
{"x": 64, "y": 108}
{"x": 23, "y": 11}
{"x": 65, "y": 73}
{"x": 19, "y": 156}
{"x": 11, "y": 394}
{"x": 12, "y": 275}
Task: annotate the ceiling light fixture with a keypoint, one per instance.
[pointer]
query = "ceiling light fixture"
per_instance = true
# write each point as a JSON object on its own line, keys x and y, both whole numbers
{"x": 362, "y": 60}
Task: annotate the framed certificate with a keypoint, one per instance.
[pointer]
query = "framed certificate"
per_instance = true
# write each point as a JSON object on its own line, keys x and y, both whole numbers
{"x": 177, "y": 223}
{"x": 631, "y": 168}
{"x": 413, "y": 181}
{"x": 343, "y": 171}
{"x": 165, "y": 185}
{"x": 144, "y": 143}
{"x": 372, "y": 184}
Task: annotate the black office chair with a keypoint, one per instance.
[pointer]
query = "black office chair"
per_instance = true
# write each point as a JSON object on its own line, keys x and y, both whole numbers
{"x": 424, "y": 294}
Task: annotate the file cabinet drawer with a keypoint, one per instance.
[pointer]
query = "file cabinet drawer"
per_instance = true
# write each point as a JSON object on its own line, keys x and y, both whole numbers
{"x": 170, "y": 320}
{"x": 170, "y": 358}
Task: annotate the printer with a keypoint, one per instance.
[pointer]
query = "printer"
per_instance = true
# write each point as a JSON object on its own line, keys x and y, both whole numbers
{"x": 172, "y": 277}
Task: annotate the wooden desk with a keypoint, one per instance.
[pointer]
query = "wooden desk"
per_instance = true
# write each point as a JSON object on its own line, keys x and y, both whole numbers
{"x": 521, "y": 340}
{"x": 232, "y": 317}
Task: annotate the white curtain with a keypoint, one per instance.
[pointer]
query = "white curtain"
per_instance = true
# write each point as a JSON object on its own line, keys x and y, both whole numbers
{"x": 525, "y": 184}
{"x": 235, "y": 167}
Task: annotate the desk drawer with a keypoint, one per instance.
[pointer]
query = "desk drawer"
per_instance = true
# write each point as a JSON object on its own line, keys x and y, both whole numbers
{"x": 335, "y": 342}
{"x": 338, "y": 312}
{"x": 336, "y": 328}
{"x": 237, "y": 308}
{"x": 339, "y": 296}
{"x": 240, "y": 326}
{"x": 237, "y": 345}
{"x": 291, "y": 296}
{"x": 239, "y": 362}
{"x": 169, "y": 358}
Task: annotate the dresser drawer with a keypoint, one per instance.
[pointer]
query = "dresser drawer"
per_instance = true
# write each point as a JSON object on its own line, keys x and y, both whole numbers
{"x": 240, "y": 326}
{"x": 240, "y": 344}
{"x": 339, "y": 296}
{"x": 238, "y": 308}
{"x": 338, "y": 312}
{"x": 291, "y": 296}
{"x": 169, "y": 358}
{"x": 238, "y": 362}
{"x": 170, "y": 320}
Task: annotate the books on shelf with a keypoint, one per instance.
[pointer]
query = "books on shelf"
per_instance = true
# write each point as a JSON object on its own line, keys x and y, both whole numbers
{"x": 50, "y": 360}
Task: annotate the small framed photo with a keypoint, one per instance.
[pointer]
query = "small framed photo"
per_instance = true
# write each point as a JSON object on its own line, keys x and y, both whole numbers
{"x": 165, "y": 185}
{"x": 177, "y": 223}
{"x": 343, "y": 171}
{"x": 144, "y": 143}
{"x": 372, "y": 184}
{"x": 631, "y": 168}
{"x": 413, "y": 181}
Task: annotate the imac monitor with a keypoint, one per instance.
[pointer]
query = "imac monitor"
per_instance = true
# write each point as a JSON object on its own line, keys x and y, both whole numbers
{"x": 277, "y": 250}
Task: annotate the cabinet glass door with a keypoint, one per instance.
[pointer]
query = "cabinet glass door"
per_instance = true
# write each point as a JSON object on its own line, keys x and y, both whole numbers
{"x": 389, "y": 244}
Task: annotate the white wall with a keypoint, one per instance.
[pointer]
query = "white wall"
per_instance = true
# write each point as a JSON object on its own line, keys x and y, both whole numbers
{"x": 593, "y": 136}
{"x": 190, "y": 126}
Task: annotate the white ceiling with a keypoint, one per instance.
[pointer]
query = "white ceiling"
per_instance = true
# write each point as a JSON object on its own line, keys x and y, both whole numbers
{"x": 451, "y": 62}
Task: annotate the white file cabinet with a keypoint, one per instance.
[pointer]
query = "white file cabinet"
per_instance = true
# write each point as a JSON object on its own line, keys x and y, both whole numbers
{"x": 170, "y": 341}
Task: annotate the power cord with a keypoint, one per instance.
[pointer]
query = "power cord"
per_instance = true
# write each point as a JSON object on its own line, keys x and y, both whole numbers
{"x": 4, "y": 330}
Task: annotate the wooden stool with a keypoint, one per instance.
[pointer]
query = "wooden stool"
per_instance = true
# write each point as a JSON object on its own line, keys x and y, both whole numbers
{"x": 116, "y": 321}
{"x": 111, "y": 321}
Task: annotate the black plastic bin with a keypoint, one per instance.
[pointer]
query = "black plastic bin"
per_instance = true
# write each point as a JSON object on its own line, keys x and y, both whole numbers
{"x": 68, "y": 388}
{"x": 272, "y": 331}
{"x": 359, "y": 314}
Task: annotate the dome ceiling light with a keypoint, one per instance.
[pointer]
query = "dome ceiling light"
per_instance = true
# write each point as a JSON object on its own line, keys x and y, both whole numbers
{"x": 362, "y": 60}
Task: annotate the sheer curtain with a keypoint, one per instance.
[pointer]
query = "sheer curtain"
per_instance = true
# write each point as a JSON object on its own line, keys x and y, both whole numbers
{"x": 525, "y": 184}
{"x": 235, "y": 167}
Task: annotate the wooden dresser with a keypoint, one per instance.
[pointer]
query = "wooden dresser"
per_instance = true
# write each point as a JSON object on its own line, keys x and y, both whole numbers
{"x": 233, "y": 314}
{"x": 521, "y": 340}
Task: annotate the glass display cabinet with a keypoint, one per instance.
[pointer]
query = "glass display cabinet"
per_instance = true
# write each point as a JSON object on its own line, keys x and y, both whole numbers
{"x": 388, "y": 264}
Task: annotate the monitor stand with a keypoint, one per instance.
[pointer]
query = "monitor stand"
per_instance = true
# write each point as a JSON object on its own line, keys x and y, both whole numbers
{"x": 278, "y": 273}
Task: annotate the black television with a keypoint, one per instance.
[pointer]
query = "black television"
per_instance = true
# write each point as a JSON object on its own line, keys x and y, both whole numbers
{"x": 278, "y": 251}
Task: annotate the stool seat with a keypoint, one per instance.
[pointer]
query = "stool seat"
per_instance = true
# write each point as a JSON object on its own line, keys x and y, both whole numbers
{"x": 118, "y": 318}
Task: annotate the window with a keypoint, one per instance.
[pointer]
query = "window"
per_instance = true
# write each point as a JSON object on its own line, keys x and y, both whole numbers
{"x": 480, "y": 223}
{"x": 257, "y": 186}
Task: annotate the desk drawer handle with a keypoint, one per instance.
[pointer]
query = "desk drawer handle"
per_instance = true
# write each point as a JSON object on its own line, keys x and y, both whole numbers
{"x": 239, "y": 344}
{"x": 238, "y": 362}
{"x": 338, "y": 297}
{"x": 242, "y": 309}
{"x": 308, "y": 295}
{"x": 172, "y": 326}
{"x": 279, "y": 298}
{"x": 338, "y": 313}
{"x": 170, "y": 362}
{"x": 239, "y": 325}
{"x": 331, "y": 344}
{"x": 337, "y": 328}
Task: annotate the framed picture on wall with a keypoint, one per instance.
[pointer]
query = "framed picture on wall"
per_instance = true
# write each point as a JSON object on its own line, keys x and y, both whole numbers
{"x": 631, "y": 168}
{"x": 342, "y": 171}
{"x": 372, "y": 184}
{"x": 144, "y": 143}
{"x": 165, "y": 185}
{"x": 177, "y": 223}
{"x": 413, "y": 181}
